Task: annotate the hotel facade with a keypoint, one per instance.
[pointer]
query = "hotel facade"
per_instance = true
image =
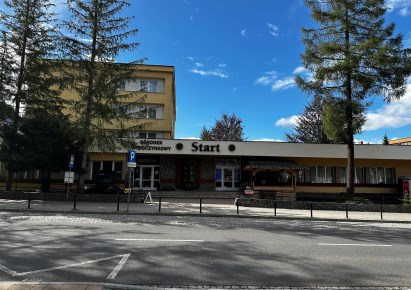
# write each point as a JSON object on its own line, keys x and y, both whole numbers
{"x": 218, "y": 166}
{"x": 164, "y": 163}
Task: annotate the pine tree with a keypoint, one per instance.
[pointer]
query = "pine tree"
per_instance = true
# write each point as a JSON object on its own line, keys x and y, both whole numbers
{"x": 97, "y": 33}
{"x": 385, "y": 140}
{"x": 45, "y": 142}
{"x": 309, "y": 127}
{"x": 26, "y": 79}
{"x": 205, "y": 134}
{"x": 353, "y": 56}
{"x": 227, "y": 128}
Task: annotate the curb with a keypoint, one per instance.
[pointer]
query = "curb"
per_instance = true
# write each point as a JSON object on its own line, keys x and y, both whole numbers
{"x": 116, "y": 213}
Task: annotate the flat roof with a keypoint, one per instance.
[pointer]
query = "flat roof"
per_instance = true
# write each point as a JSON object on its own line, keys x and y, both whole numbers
{"x": 268, "y": 149}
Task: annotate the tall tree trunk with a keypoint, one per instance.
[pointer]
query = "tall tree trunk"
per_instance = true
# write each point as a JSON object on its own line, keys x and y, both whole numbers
{"x": 19, "y": 92}
{"x": 9, "y": 180}
{"x": 90, "y": 93}
{"x": 349, "y": 108}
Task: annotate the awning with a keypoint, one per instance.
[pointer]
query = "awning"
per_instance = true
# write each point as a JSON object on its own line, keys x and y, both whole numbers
{"x": 274, "y": 165}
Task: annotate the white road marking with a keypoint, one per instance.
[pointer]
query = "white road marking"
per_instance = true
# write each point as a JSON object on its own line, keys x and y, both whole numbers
{"x": 8, "y": 271}
{"x": 119, "y": 266}
{"x": 355, "y": 245}
{"x": 16, "y": 274}
{"x": 160, "y": 240}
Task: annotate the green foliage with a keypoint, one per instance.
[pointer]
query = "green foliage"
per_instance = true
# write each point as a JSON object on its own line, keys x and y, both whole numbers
{"x": 309, "y": 127}
{"x": 28, "y": 38}
{"x": 227, "y": 128}
{"x": 385, "y": 140}
{"x": 336, "y": 120}
{"x": 353, "y": 56}
{"x": 97, "y": 33}
{"x": 205, "y": 134}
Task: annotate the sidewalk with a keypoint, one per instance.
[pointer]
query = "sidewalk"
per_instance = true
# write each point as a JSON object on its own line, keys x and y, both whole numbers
{"x": 189, "y": 207}
{"x": 209, "y": 207}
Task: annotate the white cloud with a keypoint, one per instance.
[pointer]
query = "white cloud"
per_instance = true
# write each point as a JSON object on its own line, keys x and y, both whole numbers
{"x": 401, "y": 5}
{"x": 202, "y": 69}
{"x": 299, "y": 70}
{"x": 190, "y": 138}
{"x": 287, "y": 122}
{"x": 268, "y": 140}
{"x": 215, "y": 73}
{"x": 244, "y": 32}
{"x": 393, "y": 115}
{"x": 273, "y": 30}
{"x": 283, "y": 84}
{"x": 268, "y": 79}
{"x": 404, "y": 11}
{"x": 271, "y": 79}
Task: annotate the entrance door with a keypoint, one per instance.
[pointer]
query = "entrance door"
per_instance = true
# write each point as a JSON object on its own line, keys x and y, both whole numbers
{"x": 227, "y": 178}
{"x": 147, "y": 177}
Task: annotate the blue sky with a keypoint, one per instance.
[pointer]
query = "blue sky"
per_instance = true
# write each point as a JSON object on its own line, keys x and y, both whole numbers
{"x": 241, "y": 56}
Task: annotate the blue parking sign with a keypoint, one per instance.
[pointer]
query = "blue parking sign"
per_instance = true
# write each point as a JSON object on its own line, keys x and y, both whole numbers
{"x": 131, "y": 159}
{"x": 131, "y": 156}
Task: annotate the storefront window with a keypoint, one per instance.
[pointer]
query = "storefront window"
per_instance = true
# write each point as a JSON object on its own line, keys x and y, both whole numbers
{"x": 321, "y": 174}
{"x": 381, "y": 175}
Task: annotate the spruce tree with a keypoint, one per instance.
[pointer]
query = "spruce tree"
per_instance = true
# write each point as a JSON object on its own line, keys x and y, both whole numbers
{"x": 96, "y": 34}
{"x": 227, "y": 128}
{"x": 385, "y": 140}
{"x": 26, "y": 80}
{"x": 353, "y": 56}
{"x": 309, "y": 127}
{"x": 205, "y": 134}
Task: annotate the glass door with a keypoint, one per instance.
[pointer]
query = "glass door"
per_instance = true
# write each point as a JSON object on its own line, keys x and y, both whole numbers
{"x": 227, "y": 178}
{"x": 147, "y": 177}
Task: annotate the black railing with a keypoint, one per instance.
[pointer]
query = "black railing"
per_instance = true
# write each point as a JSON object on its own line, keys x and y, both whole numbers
{"x": 312, "y": 207}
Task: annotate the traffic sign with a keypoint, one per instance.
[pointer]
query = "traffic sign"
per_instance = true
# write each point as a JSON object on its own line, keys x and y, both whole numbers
{"x": 131, "y": 159}
{"x": 71, "y": 162}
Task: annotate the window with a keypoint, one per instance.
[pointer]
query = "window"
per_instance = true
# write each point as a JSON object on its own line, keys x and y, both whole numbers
{"x": 150, "y": 135}
{"x": 358, "y": 178}
{"x": 381, "y": 175}
{"x": 25, "y": 175}
{"x": 142, "y": 85}
{"x": 148, "y": 111}
{"x": 115, "y": 169}
{"x": 321, "y": 174}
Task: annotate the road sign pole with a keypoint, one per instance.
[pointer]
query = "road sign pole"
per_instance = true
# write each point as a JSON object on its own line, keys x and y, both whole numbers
{"x": 68, "y": 183}
{"x": 131, "y": 163}
{"x": 129, "y": 189}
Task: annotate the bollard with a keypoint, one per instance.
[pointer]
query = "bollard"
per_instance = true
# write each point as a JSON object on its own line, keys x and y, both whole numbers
{"x": 201, "y": 205}
{"x": 75, "y": 201}
{"x": 29, "y": 200}
{"x": 346, "y": 211}
{"x": 238, "y": 208}
{"x": 159, "y": 204}
{"x": 118, "y": 203}
{"x": 275, "y": 208}
{"x": 311, "y": 209}
{"x": 381, "y": 213}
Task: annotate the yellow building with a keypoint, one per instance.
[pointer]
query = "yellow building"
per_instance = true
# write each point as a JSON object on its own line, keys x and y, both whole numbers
{"x": 401, "y": 141}
{"x": 158, "y": 112}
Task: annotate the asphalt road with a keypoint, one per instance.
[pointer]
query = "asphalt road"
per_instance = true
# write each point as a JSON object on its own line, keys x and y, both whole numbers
{"x": 206, "y": 251}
